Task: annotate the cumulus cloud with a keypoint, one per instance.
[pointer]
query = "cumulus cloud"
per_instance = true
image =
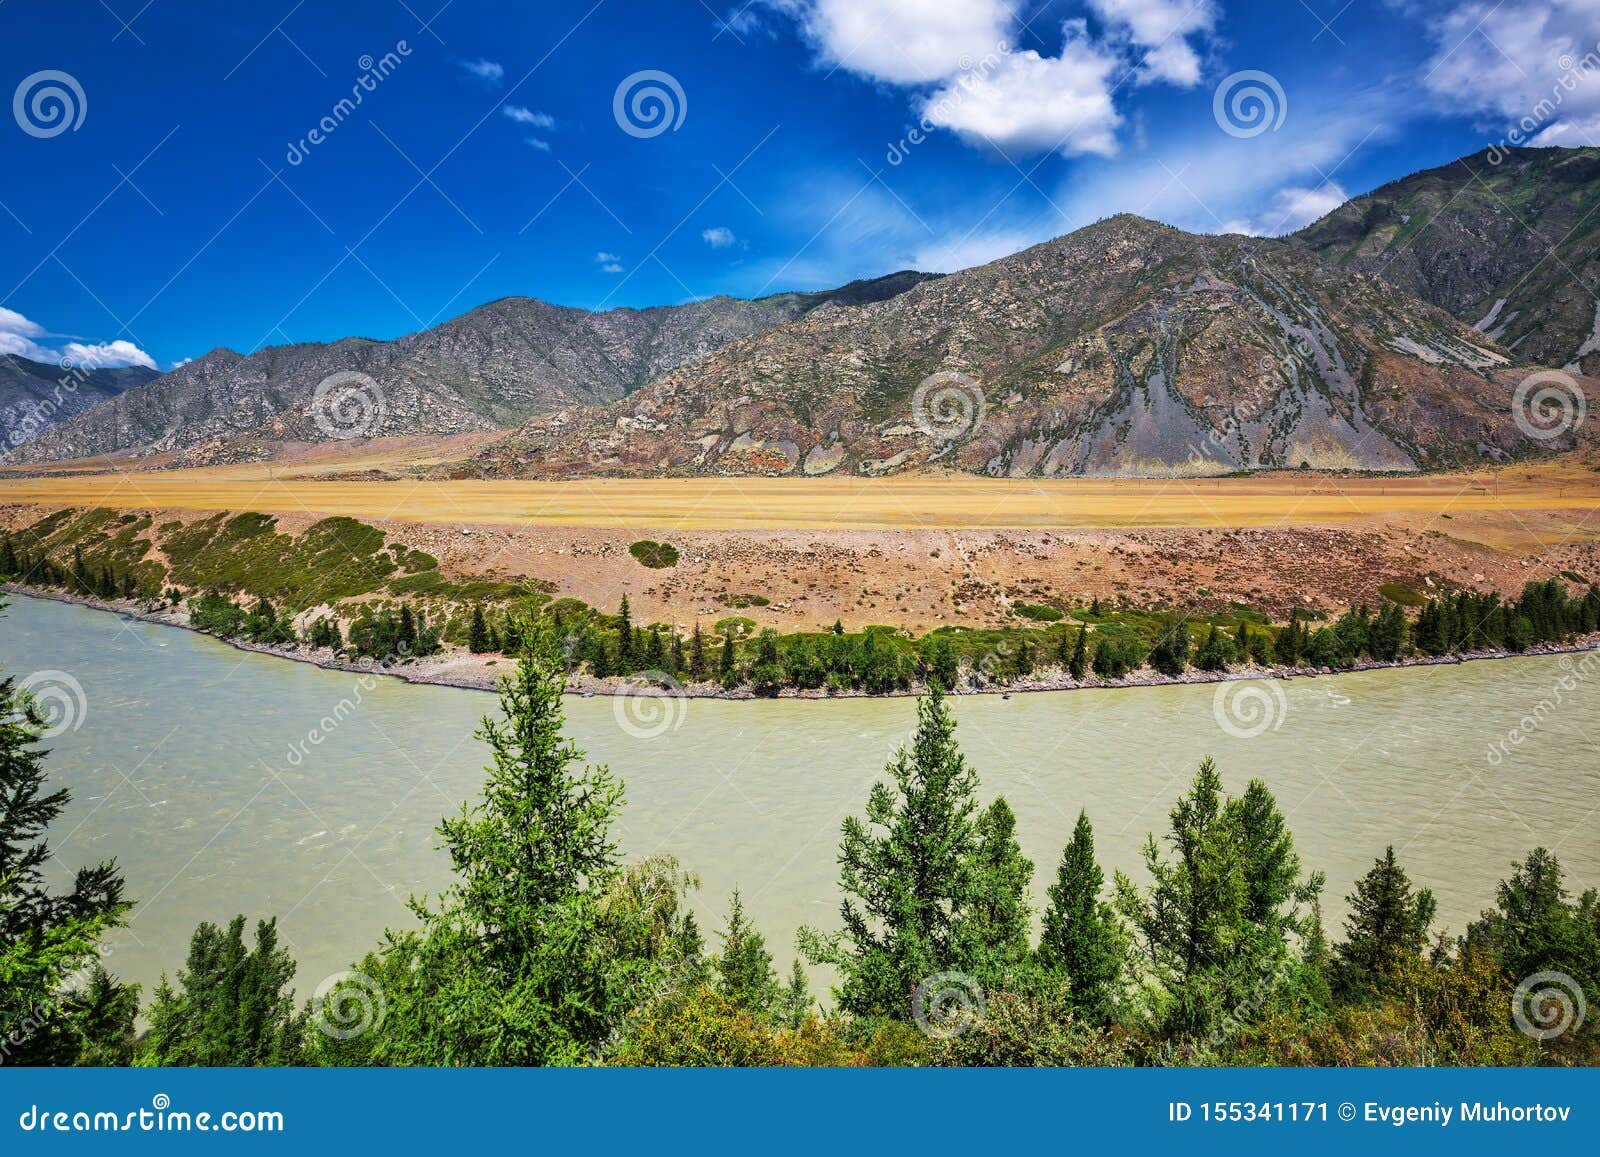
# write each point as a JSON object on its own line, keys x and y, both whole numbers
{"x": 1290, "y": 209}
{"x": 608, "y": 262}
{"x": 971, "y": 79}
{"x": 1160, "y": 31}
{"x": 527, "y": 116}
{"x": 1034, "y": 102}
{"x": 18, "y": 334}
{"x": 720, "y": 237}
{"x": 905, "y": 41}
{"x": 1531, "y": 65}
{"x": 488, "y": 71}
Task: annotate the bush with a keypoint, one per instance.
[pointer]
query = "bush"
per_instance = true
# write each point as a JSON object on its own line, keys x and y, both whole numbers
{"x": 1029, "y": 1028}
{"x": 1402, "y": 594}
{"x": 655, "y": 555}
{"x": 1038, "y": 612}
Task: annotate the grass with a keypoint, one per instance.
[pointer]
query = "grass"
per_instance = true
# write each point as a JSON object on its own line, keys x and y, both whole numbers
{"x": 1038, "y": 612}
{"x": 1404, "y": 595}
{"x": 1298, "y": 498}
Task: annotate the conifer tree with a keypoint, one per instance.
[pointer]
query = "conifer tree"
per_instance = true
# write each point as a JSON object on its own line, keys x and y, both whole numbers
{"x": 908, "y": 875}
{"x": 1002, "y": 911}
{"x": 478, "y": 632}
{"x": 232, "y": 1005}
{"x": 45, "y": 936}
{"x": 743, "y": 968}
{"x": 1078, "y": 665}
{"x": 698, "y": 668}
{"x": 1082, "y": 938}
{"x": 1388, "y": 923}
{"x": 625, "y": 651}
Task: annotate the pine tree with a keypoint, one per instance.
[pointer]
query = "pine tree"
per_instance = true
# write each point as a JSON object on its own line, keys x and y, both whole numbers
{"x": 1533, "y": 927}
{"x": 1388, "y": 923}
{"x": 1002, "y": 912}
{"x": 45, "y": 937}
{"x": 232, "y": 1005}
{"x": 698, "y": 669}
{"x": 908, "y": 875}
{"x": 743, "y": 968}
{"x": 1078, "y": 665}
{"x": 1082, "y": 938}
{"x": 726, "y": 667}
{"x": 512, "y": 965}
{"x": 406, "y": 638}
{"x": 794, "y": 1002}
{"x": 625, "y": 650}
{"x": 478, "y": 632}
{"x": 1212, "y": 925}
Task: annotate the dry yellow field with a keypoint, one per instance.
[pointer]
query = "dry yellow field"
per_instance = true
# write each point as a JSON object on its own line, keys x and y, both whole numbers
{"x": 943, "y": 502}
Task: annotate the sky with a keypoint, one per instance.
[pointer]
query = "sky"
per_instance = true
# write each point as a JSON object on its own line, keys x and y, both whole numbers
{"x": 178, "y": 175}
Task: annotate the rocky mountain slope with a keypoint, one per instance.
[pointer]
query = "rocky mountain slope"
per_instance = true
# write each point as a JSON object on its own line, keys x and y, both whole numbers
{"x": 488, "y": 369}
{"x": 35, "y": 396}
{"x": 1507, "y": 240}
{"x": 1125, "y": 348}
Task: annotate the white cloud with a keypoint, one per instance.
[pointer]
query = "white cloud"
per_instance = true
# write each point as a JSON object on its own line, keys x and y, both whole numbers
{"x": 527, "y": 116}
{"x": 608, "y": 262}
{"x": 487, "y": 71}
{"x": 1531, "y": 65}
{"x": 101, "y": 355}
{"x": 905, "y": 41}
{"x": 990, "y": 93}
{"x": 17, "y": 334}
{"x": 1290, "y": 209}
{"x": 536, "y": 143}
{"x": 956, "y": 252}
{"x": 1160, "y": 31}
{"x": 720, "y": 237}
{"x": 1033, "y": 102}
{"x": 13, "y": 322}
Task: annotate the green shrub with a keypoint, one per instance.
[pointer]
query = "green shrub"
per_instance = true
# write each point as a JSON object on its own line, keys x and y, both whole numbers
{"x": 655, "y": 555}
{"x": 1038, "y": 612}
{"x": 1402, "y": 594}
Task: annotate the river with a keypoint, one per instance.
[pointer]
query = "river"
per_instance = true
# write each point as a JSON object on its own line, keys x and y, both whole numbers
{"x": 194, "y": 765}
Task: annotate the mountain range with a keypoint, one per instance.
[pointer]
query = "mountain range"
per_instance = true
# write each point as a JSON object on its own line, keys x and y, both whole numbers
{"x": 35, "y": 396}
{"x": 1392, "y": 334}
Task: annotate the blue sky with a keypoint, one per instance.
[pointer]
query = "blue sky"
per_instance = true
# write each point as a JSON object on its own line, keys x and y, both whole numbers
{"x": 188, "y": 199}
